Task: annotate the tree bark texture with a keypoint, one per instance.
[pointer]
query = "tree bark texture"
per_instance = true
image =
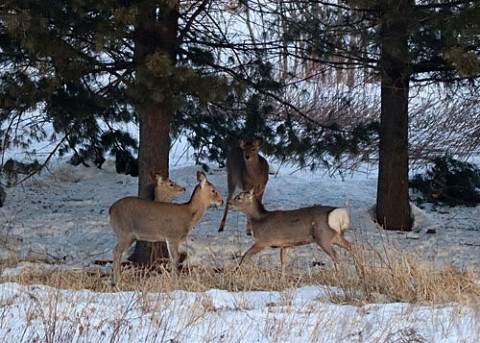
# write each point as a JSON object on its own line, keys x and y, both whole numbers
{"x": 155, "y": 31}
{"x": 393, "y": 210}
{"x": 153, "y": 155}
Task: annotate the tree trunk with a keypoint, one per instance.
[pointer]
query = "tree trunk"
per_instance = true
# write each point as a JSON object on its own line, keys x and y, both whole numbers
{"x": 155, "y": 31}
{"x": 393, "y": 209}
{"x": 153, "y": 155}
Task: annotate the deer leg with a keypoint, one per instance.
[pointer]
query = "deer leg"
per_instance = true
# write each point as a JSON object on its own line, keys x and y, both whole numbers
{"x": 283, "y": 258}
{"x": 254, "y": 249}
{"x": 174, "y": 254}
{"x": 117, "y": 257}
{"x": 249, "y": 228}
{"x": 330, "y": 252}
{"x": 324, "y": 240}
{"x": 342, "y": 242}
{"x": 224, "y": 219}
{"x": 227, "y": 205}
{"x": 169, "y": 249}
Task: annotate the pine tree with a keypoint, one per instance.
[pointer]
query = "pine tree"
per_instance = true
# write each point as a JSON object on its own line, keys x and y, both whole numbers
{"x": 152, "y": 62}
{"x": 81, "y": 63}
{"x": 400, "y": 42}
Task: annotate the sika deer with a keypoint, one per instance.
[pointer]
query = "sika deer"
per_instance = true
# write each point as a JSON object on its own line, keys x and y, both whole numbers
{"x": 245, "y": 169}
{"x": 164, "y": 189}
{"x": 324, "y": 225}
{"x": 133, "y": 218}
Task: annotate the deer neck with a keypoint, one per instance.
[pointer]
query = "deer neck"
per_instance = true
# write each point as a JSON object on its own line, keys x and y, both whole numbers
{"x": 197, "y": 206}
{"x": 252, "y": 165}
{"x": 162, "y": 197}
{"x": 256, "y": 211}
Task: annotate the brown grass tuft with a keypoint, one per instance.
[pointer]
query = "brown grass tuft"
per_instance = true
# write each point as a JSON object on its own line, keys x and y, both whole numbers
{"x": 403, "y": 278}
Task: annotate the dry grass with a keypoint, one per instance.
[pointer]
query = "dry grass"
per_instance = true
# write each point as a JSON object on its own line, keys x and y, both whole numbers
{"x": 177, "y": 318}
{"x": 403, "y": 278}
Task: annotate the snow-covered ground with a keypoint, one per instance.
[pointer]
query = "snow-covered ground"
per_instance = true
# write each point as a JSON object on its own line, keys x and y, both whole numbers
{"x": 61, "y": 218}
{"x": 43, "y": 314}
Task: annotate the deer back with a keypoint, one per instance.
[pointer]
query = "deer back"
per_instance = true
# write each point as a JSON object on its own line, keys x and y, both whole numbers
{"x": 149, "y": 221}
{"x": 289, "y": 227}
{"x": 297, "y": 227}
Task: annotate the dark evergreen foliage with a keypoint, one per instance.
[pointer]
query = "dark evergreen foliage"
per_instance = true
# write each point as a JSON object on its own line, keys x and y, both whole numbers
{"x": 214, "y": 129}
{"x": 3, "y": 195}
{"x": 63, "y": 58}
{"x": 13, "y": 169}
{"x": 450, "y": 182}
{"x": 125, "y": 163}
{"x": 400, "y": 41}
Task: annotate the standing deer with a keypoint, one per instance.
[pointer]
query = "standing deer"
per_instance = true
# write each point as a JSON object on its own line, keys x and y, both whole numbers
{"x": 133, "y": 218}
{"x": 245, "y": 169}
{"x": 164, "y": 189}
{"x": 324, "y": 225}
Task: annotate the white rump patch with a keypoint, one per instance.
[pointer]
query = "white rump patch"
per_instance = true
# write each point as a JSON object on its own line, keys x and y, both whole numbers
{"x": 339, "y": 220}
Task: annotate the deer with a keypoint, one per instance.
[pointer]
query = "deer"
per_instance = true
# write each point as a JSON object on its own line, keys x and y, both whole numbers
{"x": 324, "y": 225}
{"x": 133, "y": 218}
{"x": 163, "y": 189}
{"x": 246, "y": 168}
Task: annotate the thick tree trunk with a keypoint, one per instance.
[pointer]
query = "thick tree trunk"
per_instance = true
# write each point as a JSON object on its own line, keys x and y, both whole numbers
{"x": 155, "y": 31}
{"x": 393, "y": 209}
{"x": 154, "y": 146}
{"x": 153, "y": 155}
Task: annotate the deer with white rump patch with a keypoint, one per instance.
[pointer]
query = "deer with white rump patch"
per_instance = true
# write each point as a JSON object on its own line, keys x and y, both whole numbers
{"x": 133, "y": 218}
{"x": 324, "y": 225}
{"x": 245, "y": 169}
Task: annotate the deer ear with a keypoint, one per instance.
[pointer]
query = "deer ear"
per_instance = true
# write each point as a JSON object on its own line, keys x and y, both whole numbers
{"x": 258, "y": 142}
{"x": 241, "y": 144}
{"x": 201, "y": 178}
{"x": 251, "y": 191}
{"x": 157, "y": 177}
{"x": 259, "y": 189}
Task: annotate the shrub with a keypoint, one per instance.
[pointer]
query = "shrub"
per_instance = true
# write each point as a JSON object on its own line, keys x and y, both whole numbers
{"x": 450, "y": 182}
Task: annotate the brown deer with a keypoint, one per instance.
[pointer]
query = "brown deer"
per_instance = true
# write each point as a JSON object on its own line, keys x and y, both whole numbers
{"x": 133, "y": 218}
{"x": 161, "y": 189}
{"x": 245, "y": 169}
{"x": 164, "y": 189}
{"x": 324, "y": 225}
